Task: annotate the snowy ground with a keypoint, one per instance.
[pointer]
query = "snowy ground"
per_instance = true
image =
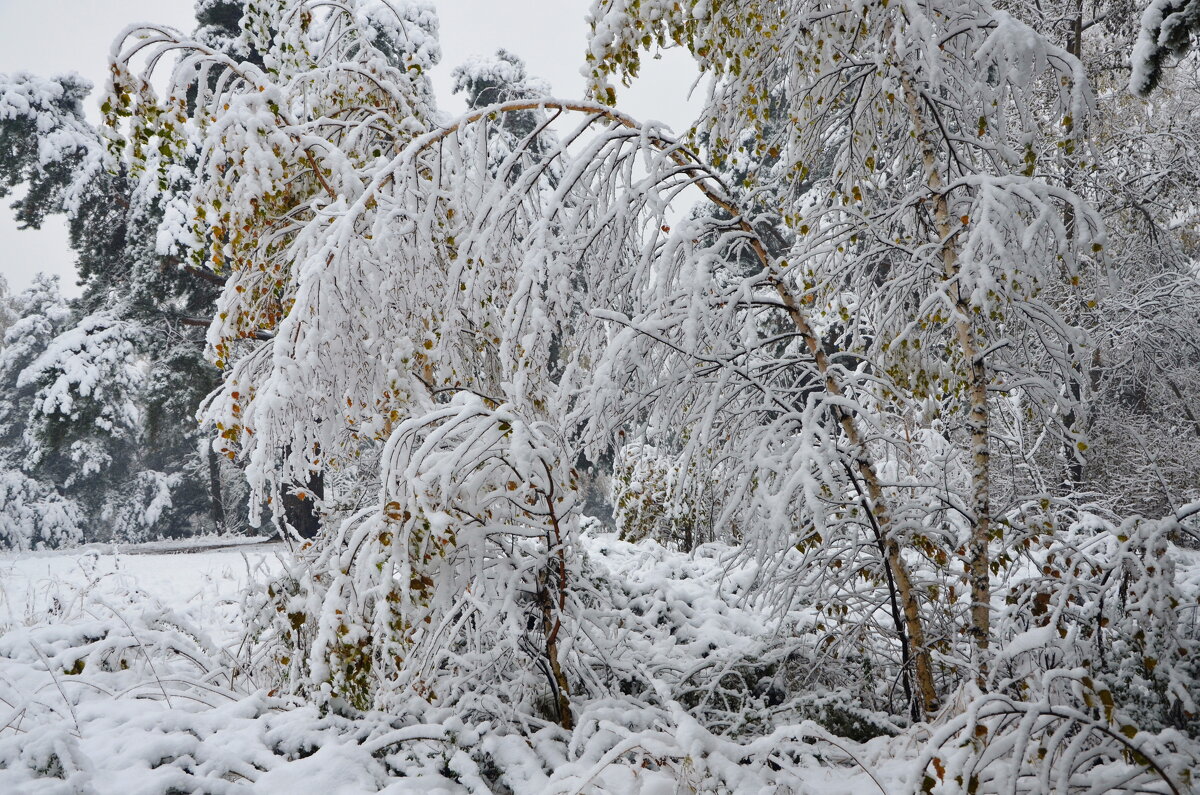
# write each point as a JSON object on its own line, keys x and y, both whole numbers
{"x": 116, "y": 676}
{"x": 117, "y": 727}
{"x": 189, "y": 576}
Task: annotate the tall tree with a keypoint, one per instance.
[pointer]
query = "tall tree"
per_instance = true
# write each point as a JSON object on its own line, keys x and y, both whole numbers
{"x": 127, "y": 238}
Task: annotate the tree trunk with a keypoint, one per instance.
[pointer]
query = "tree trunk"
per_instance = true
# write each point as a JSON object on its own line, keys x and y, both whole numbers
{"x": 217, "y": 502}
{"x": 300, "y": 512}
{"x": 552, "y": 610}
{"x": 876, "y": 506}
{"x": 978, "y": 415}
{"x": 1075, "y": 472}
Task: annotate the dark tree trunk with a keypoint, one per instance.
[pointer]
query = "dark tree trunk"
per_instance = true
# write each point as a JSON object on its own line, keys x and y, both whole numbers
{"x": 301, "y": 511}
{"x": 214, "y": 490}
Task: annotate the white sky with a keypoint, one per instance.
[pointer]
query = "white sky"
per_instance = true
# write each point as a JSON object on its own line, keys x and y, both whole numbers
{"x": 54, "y": 36}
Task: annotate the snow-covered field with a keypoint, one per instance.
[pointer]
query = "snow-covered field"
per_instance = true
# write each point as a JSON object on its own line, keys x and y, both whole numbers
{"x": 197, "y": 579}
{"x": 102, "y": 655}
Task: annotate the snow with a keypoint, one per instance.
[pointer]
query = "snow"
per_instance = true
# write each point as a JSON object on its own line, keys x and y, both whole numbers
{"x": 113, "y": 680}
{"x": 166, "y": 571}
{"x": 116, "y": 676}
{"x": 444, "y": 323}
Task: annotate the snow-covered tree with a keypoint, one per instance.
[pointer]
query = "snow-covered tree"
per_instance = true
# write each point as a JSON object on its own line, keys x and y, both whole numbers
{"x": 132, "y": 279}
{"x": 1167, "y": 28}
{"x": 503, "y": 78}
{"x": 34, "y": 513}
{"x": 876, "y": 320}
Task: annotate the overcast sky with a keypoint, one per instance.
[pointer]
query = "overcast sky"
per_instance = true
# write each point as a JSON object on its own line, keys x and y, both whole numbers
{"x": 55, "y": 36}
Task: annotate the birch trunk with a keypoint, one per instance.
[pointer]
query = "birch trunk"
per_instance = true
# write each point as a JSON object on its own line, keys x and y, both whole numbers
{"x": 978, "y": 417}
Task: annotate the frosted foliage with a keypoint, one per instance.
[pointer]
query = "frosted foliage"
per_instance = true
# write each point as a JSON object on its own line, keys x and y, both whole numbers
{"x": 34, "y": 516}
{"x": 406, "y": 30}
{"x": 88, "y": 369}
{"x": 369, "y": 369}
{"x": 650, "y": 500}
{"x": 38, "y": 315}
{"x": 1167, "y": 28}
{"x": 134, "y": 508}
{"x": 218, "y": 26}
{"x": 40, "y": 312}
{"x": 923, "y": 268}
{"x": 52, "y": 109}
{"x": 71, "y": 418}
{"x": 488, "y": 80}
{"x": 480, "y": 521}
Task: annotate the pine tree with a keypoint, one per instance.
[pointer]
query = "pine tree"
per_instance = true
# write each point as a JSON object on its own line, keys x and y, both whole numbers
{"x": 34, "y": 511}
{"x": 1167, "y": 28}
{"x": 132, "y": 276}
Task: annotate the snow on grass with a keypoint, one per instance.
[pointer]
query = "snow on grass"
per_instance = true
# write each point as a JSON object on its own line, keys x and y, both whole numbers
{"x": 128, "y": 672}
{"x": 36, "y": 585}
{"x": 123, "y": 672}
